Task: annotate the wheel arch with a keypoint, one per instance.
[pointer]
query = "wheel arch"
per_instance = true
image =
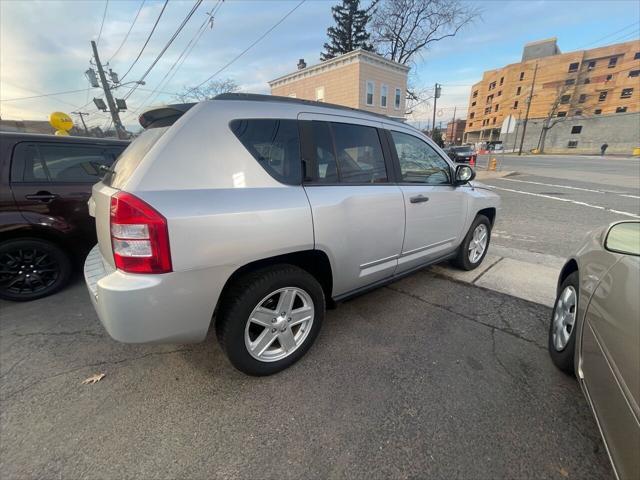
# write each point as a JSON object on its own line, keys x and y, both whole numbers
{"x": 569, "y": 267}
{"x": 314, "y": 262}
{"x": 490, "y": 213}
{"x": 39, "y": 233}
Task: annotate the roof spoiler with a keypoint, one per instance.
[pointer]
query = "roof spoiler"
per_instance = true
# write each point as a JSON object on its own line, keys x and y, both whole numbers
{"x": 164, "y": 116}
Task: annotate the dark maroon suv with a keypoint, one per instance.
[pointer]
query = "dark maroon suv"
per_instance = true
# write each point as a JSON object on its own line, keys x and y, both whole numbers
{"x": 45, "y": 227}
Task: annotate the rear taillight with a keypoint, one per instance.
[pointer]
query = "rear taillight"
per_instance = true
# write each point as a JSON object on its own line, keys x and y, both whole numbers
{"x": 139, "y": 236}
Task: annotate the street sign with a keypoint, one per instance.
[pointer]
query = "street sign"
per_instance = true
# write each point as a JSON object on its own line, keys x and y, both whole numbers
{"x": 508, "y": 125}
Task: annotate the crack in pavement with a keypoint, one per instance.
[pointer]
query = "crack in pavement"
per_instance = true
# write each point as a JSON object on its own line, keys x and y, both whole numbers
{"x": 116, "y": 362}
{"x": 507, "y": 331}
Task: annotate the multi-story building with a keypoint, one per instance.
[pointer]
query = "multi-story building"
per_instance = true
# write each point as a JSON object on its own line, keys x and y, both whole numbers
{"x": 600, "y": 82}
{"x": 358, "y": 79}
{"x": 455, "y": 131}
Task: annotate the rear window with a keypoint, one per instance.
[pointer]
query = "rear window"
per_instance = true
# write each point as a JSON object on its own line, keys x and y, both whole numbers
{"x": 131, "y": 157}
{"x": 461, "y": 149}
{"x": 275, "y": 144}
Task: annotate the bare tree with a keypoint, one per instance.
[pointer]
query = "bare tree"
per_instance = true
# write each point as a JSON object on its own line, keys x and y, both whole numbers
{"x": 208, "y": 91}
{"x": 403, "y": 29}
{"x": 566, "y": 98}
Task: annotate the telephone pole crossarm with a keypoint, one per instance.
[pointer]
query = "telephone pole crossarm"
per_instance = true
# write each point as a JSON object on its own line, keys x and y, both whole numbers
{"x": 120, "y": 130}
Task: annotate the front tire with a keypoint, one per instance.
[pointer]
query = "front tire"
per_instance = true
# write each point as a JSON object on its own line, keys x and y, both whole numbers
{"x": 270, "y": 318}
{"x": 562, "y": 336}
{"x": 475, "y": 245}
{"x": 32, "y": 268}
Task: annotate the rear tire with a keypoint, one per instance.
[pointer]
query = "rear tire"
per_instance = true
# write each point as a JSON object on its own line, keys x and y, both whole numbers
{"x": 32, "y": 268}
{"x": 270, "y": 318}
{"x": 562, "y": 327}
{"x": 466, "y": 259}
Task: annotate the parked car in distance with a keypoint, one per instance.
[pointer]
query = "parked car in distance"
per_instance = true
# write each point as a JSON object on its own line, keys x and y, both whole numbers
{"x": 595, "y": 333}
{"x": 264, "y": 209}
{"x": 461, "y": 154}
{"x": 45, "y": 227}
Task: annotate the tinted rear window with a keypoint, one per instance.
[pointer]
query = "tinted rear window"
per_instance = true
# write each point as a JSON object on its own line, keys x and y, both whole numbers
{"x": 131, "y": 157}
{"x": 275, "y": 144}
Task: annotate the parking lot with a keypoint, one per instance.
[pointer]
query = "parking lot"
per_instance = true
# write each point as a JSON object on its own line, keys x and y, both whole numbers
{"x": 426, "y": 378}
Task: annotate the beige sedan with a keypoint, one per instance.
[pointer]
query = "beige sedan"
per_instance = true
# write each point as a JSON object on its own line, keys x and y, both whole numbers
{"x": 595, "y": 333}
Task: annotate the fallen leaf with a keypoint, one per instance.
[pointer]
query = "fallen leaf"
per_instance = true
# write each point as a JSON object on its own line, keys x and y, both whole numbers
{"x": 563, "y": 472}
{"x": 93, "y": 378}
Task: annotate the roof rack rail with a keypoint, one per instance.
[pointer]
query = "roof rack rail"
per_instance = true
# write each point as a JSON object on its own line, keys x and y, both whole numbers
{"x": 257, "y": 97}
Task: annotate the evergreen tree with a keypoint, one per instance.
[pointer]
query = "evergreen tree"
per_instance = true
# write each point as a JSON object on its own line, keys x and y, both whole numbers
{"x": 350, "y": 31}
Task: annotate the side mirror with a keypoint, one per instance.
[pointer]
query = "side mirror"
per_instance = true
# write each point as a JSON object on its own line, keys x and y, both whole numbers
{"x": 624, "y": 237}
{"x": 464, "y": 174}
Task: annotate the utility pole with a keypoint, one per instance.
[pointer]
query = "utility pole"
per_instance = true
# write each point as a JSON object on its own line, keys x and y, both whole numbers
{"x": 81, "y": 115}
{"x": 436, "y": 96}
{"x": 526, "y": 115}
{"x": 454, "y": 130}
{"x": 120, "y": 130}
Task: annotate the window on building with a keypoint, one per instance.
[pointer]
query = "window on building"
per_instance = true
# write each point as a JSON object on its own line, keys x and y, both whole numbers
{"x": 501, "y": 80}
{"x": 576, "y": 129}
{"x": 489, "y": 98}
{"x": 609, "y": 77}
{"x": 583, "y": 98}
{"x": 621, "y": 109}
{"x": 492, "y": 85}
{"x": 319, "y": 94}
{"x": 515, "y": 104}
{"x": 613, "y": 61}
{"x": 518, "y": 90}
{"x": 473, "y": 104}
{"x": 499, "y": 93}
{"x": 419, "y": 162}
{"x": 592, "y": 65}
{"x": 626, "y": 93}
{"x": 561, "y": 114}
{"x": 487, "y": 110}
{"x": 636, "y": 56}
{"x": 602, "y": 97}
{"x": 578, "y": 113}
{"x": 471, "y": 124}
{"x": 274, "y": 144}
{"x": 371, "y": 88}
{"x": 597, "y": 111}
{"x": 496, "y": 107}
{"x": 472, "y": 115}
{"x": 397, "y": 99}
{"x": 634, "y": 73}
{"x": 475, "y": 94}
{"x": 572, "y": 144}
{"x": 493, "y": 121}
{"x": 521, "y": 75}
{"x": 384, "y": 92}
{"x": 569, "y": 81}
{"x": 573, "y": 67}
{"x": 587, "y": 81}
{"x": 565, "y": 98}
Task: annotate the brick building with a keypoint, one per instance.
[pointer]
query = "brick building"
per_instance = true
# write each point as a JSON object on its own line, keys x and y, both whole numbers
{"x": 602, "y": 81}
{"x": 455, "y": 132}
{"x": 358, "y": 79}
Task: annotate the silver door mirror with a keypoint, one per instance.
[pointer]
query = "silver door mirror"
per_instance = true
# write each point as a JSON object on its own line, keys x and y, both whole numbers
{"x": 464, "y": 174}
{"x": 624, "y": 237}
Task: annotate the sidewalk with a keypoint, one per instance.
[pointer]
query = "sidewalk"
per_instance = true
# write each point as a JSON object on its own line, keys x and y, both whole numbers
{"x": 519, "y": 273}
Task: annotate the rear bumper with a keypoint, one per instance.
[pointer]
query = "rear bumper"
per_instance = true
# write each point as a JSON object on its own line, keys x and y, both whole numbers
{"x": 174, "y": 307}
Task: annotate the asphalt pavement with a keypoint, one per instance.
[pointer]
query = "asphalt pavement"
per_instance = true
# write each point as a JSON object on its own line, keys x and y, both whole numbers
{"x": 427, "y": 378}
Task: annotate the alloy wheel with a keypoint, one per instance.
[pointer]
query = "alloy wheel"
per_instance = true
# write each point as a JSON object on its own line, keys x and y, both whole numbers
{"x": 279, "y": 324}
{"x": 27, "y": 271}
{"x": 478, "y": 243}
{"x": 564, "y": 318}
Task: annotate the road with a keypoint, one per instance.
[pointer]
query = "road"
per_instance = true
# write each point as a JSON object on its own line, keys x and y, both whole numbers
{"x": 427, "y": 378}
{"x": 551, "y": 202}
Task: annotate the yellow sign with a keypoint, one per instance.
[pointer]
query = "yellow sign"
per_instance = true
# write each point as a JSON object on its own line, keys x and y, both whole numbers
{"x": 60, "y": 121}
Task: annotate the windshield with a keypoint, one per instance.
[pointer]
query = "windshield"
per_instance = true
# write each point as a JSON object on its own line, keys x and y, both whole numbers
{"x": 131, "y": 157}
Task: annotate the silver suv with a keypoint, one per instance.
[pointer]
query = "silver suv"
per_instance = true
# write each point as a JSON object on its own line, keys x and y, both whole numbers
{"x": 260, "y": 211}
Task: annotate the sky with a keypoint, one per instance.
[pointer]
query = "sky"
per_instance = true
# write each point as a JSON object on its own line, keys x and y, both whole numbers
{"x": 45, "y": 47}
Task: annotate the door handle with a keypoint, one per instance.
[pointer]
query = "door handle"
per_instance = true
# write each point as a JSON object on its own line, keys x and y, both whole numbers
{"x": 419, "y": 199}
{"x": 42, "y": 196}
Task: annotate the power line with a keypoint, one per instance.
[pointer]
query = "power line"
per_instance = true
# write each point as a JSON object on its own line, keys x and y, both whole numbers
{"x": 253, "y": 44}
{"x": 183, "y": 55}
{"x": 104, "y": 15}
{"x": 147, "y": 40}
{"x": 609, "y": 35}
{"x": 127, "y": 35}
{"x": 167, "y": 45}
{"x": 42, "y": 95}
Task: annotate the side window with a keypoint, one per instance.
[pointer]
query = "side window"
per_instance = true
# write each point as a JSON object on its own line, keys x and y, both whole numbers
{"x": 59, "y": 163}
{"x": 359, "y": 154}
{"x": 325, "y": 169}
{"x": 419, "y": 162}
{"x": 275, "y": 144}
